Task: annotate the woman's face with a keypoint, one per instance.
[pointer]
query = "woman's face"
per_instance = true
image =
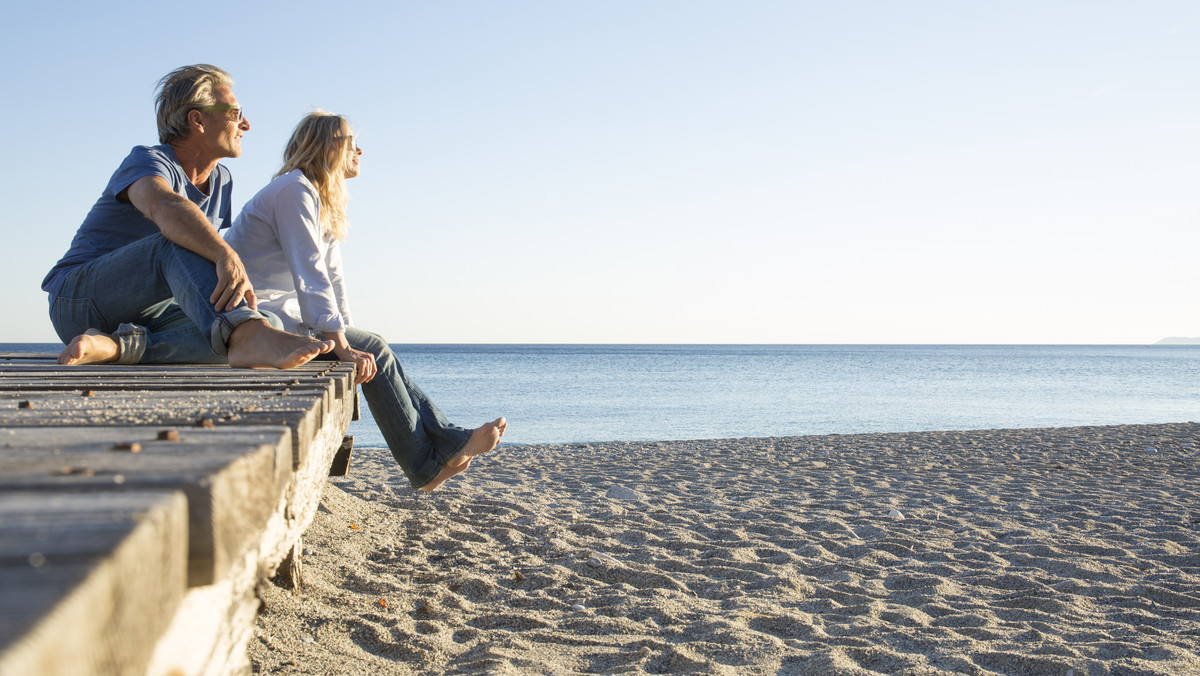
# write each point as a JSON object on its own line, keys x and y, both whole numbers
{"x": 353, "y": 154}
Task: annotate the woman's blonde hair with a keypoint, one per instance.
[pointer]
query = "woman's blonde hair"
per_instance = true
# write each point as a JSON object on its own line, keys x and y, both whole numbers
{"x": 318, "y": 147}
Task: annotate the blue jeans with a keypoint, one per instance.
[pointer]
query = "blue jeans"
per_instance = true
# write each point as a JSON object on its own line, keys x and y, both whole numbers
{"x": 152, "y": 296}
{"x": 416, "y": 431}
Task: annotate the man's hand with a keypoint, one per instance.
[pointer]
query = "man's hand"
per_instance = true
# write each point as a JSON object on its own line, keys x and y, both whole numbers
{"x": 232, "y": 284}
{"x": 364, "y": 362}
{"x": 183, "y": 223}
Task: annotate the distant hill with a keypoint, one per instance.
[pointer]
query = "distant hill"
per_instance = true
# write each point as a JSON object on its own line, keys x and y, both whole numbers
{"x": 1179, "y": 341}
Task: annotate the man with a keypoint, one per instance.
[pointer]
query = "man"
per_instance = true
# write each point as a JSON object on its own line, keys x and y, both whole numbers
{"x": 148, "y": 279}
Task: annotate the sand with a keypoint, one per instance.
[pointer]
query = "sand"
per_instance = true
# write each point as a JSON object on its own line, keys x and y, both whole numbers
{"x": 1048, "y": 551}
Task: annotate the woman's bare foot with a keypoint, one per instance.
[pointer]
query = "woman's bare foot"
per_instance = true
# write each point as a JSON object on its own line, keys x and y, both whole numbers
{"x": 255, "y": 344}
{"x": 90, "y": 347}
{"x": 482, "y": 440}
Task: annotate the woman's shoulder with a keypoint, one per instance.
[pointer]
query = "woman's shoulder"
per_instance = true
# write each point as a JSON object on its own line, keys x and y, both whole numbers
{"x": 294, "y": 179}
{"x": 288, "y": 188}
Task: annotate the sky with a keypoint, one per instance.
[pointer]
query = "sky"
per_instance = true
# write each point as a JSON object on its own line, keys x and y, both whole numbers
{"x": 672, "y": 171}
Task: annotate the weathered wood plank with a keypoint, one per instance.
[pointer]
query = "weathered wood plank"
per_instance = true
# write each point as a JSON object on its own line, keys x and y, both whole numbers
{"x": 301, "y": 414}
{"x": 88, "y": 582}
{"x": 50, "y": 356}
{"x": 232, "y": 486}
{"x": 182, "y": 378}
{"x": 33, "y": 402}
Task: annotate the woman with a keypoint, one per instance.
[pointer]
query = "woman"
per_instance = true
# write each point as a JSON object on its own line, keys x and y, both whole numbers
{"x": 288, "y": 238}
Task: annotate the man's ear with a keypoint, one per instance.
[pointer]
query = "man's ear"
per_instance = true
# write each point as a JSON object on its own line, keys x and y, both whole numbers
{"x": 195, "y": 121}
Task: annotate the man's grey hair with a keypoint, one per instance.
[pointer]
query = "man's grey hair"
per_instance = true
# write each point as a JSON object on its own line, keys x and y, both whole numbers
{"x": 182, "y": 91}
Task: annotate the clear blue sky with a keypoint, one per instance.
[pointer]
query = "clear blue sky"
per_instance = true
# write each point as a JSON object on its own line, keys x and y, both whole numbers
{"x": 673, "y": 171}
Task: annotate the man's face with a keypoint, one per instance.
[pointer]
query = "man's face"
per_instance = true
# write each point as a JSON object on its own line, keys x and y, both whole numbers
{"x": 223, "y": 130}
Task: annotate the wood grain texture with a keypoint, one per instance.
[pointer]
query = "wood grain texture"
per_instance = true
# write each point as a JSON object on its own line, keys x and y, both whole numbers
{"x": 87, "y": 577}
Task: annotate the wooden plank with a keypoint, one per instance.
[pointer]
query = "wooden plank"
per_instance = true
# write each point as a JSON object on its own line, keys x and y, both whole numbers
{"x": 98, "y": 385}
{"x": 233, "y": 480}
{"x": 102, "y": 400}
{"x": 301, "y": 414}
{"x": 316, "y": 370}
{"x": 184, "y": 378}
{"x": 30, "y": 401}
{"x": 51, "y": 356}
{"x": 150, "y": 370}
{"x": 89, "y": 582}
{"x": 156, "y": 371}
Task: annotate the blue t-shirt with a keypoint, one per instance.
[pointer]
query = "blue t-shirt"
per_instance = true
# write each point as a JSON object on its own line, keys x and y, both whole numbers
{"x": 112, "y": 223}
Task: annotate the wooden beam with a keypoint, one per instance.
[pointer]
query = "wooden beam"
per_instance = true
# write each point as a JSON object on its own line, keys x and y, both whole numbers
{"x": 88, "y": 581}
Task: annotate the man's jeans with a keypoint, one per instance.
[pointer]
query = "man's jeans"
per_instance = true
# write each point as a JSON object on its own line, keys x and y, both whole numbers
{"x": 416, "y": 431}
{"x": 153, "y": 294}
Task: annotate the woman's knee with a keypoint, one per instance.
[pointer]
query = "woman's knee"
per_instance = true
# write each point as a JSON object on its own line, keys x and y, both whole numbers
{"x": 375, "y": 344}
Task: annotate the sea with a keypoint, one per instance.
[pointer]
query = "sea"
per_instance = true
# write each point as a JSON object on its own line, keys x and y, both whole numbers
{"x": 595, "y": 393}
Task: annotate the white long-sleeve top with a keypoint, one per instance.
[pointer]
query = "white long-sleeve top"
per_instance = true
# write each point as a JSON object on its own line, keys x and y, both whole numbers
{"x": 296, "y": 271}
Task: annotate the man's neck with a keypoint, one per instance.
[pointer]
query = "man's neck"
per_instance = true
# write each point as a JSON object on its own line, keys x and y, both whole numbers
{"x": 197, "y": 165}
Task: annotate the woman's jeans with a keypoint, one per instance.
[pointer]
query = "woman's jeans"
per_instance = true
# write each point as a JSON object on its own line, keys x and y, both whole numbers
{"x": 153, "y": 295}
{"x": 417, "y": 433}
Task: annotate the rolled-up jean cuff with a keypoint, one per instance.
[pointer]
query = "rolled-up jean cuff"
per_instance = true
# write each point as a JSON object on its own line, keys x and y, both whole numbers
{"x": 131, "y": 339}
{"x": 226, "y": 322}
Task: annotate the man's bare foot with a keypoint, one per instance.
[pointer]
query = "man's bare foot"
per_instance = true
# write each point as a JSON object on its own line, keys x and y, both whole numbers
{"x": 90, "y": 347}
{"x": 482, "y": 440}
{"x": 255, "y": 344}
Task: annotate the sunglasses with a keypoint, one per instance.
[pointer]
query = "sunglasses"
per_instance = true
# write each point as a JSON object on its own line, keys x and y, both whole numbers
{"x": 239, "y": 111}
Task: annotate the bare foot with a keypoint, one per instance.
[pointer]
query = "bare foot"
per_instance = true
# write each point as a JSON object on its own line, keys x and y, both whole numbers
{"x": 482, "y": 440}
{"x": 255, "y": 344}
{"x": 90, "y": 347}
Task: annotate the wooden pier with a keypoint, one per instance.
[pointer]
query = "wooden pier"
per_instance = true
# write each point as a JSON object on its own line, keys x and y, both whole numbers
{"x": 140, "y": 507}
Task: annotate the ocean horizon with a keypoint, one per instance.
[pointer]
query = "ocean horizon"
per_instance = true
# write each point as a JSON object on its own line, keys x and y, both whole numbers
{"x": 578, "y": 393}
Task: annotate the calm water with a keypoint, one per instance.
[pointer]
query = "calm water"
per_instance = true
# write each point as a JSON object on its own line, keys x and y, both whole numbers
{"x": 574, "y": 393}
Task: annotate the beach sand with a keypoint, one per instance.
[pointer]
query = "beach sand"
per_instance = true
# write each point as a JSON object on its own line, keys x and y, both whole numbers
{"x": 1045, "y": 551}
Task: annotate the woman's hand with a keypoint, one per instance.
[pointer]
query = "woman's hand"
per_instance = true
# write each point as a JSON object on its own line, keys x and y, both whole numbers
{"x": 364, "y": 362}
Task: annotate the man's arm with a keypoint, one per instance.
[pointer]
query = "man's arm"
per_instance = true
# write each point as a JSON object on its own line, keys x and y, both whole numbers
{"x": 183, "y": 223}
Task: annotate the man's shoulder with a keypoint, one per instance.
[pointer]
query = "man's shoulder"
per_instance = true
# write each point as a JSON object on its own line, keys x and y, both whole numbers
{"x": 153, "y": 153}
{"x": 147, "y": 160}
